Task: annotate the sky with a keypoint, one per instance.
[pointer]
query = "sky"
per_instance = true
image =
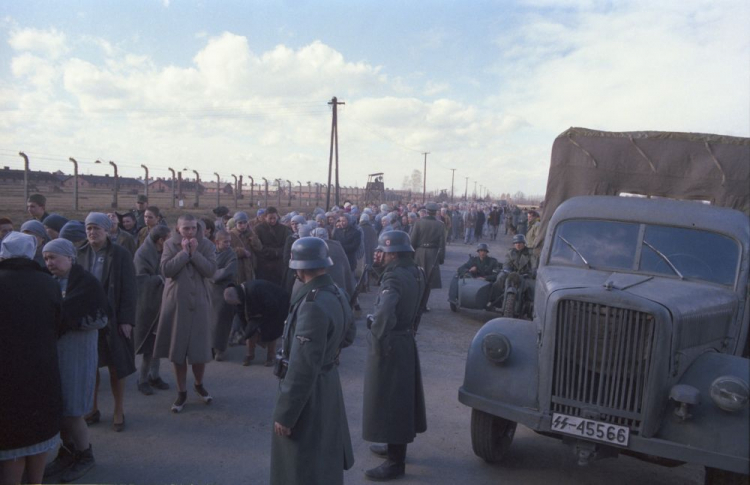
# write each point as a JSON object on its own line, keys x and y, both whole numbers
{"x": 242, "y": 87}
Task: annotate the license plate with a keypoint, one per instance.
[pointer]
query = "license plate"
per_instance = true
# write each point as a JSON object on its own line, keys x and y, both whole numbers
{"x": 590, "y": 429}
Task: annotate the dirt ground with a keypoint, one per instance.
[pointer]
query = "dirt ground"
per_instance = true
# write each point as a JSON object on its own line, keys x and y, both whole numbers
{"x": 228, "y": 442}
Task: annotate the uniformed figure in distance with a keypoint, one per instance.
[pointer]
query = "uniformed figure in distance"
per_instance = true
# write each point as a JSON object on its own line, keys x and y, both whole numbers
{"x": 428, "y": 236}
{"x": 481, "y": 266}
{"x": 311, "y": 442}
{"x": 394, "y": 410}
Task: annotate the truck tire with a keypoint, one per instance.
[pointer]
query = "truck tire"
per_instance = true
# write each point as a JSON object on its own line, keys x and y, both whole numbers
{"x": 715, "y": 476}
{"x": 491, "y": 436}
{"x": 509, "y": 307}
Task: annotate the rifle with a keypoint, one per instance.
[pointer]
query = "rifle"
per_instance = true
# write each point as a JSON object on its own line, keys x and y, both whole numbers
{"x": 360, "y": 285}
{"x": 425, "y": 295}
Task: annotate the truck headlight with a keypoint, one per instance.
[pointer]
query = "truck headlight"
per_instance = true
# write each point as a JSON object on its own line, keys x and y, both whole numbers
{"x": 730, "y": 393}
{"x": 496, "y": 347}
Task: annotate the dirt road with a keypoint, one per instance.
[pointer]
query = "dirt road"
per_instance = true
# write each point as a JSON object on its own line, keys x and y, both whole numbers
{"x": 228, "y": 442}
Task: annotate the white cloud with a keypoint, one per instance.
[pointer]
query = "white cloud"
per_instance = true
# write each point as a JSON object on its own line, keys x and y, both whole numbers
{"x": 50, "y": 43}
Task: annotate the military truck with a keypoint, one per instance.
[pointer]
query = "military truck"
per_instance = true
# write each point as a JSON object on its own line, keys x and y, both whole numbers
{"x": 639, "y": 341}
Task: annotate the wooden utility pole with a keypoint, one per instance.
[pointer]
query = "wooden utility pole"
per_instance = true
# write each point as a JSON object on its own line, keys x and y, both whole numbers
{"x": 334, "y": 145}
{"x": 424, "y": 178}
{"x": 453, "y": 176}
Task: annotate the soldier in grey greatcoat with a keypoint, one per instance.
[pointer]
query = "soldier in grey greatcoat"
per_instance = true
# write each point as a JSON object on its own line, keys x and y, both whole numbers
{"x": 394, "y": 409}
{"x": 311, "y": 442}
{"x": 428, "y": 238}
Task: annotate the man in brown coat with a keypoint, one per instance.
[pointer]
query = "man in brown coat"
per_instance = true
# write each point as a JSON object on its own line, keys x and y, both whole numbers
{"x": 428, "y": 239}
{"x": 246, "y": 246}
{"x": 184, "y": 332}
{"x": 272, "y": 237}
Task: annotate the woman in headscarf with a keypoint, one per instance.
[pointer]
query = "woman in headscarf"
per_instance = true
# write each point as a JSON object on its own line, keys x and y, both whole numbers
{"x": 36, "y": 229}
{"x": 30, "y": 397}
{"x": 112, "y": 265}
{"x": 84, "y": 311}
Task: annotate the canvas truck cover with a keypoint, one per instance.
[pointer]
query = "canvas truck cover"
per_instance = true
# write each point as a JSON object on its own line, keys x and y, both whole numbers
{"x": 692, "y": 166}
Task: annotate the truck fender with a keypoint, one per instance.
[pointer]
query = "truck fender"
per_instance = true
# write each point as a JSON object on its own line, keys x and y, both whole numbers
{"x": 709, "y": 427}
{"x": 515, "y": 381}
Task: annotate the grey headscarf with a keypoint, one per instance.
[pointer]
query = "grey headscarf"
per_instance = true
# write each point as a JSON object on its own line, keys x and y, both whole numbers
{"x": 36, "y": 228}
{"x": 73, "y": 231}
{"x": 304, "y": 230}
{"x": 18, "y": 245}
{"x": 99, "y": 219}
{"x": 62, "y": 247}
{"x": 320, "y": 232}
{"x": 55, "y": 222}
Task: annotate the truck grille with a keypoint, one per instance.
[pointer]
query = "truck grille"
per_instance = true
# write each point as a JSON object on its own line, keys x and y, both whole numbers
{"x": 602, "y": 361}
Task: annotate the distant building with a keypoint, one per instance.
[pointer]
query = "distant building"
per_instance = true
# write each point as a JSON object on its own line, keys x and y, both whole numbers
{"x": 104, "y": 182}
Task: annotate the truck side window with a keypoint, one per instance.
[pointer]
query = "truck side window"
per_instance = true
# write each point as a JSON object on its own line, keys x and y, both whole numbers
{"x": 604, "y": 244}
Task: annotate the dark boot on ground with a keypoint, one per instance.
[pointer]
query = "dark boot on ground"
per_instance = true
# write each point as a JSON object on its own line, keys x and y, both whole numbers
{"x": 389, "y": 470}
{"x": 65, "y": 458}
{"x": 84, "y": 461}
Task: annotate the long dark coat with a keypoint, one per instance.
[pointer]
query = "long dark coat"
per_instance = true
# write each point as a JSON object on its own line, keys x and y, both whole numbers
{"x": 310, "y": 400}
{"x": 428, "y": 240}
{"x": 150, "y": 289}
{"x": 350, "y": 239}
{"x": 271, "y": 256}
{"x": 264, "y": 307}
{"x": 394, "y": 410}
{"x": 119, "y": 281}
{"x": 184, "y": 330}
{"x": 370, "y": 239}
{"x": 30, "y": 393}
{"x": 222, "y": 312}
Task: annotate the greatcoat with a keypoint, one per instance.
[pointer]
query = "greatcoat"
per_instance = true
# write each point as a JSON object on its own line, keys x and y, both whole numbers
{"x": 309, "y": 399}
{"x": 119, "y": 281}
{"x": 428, "y": 240}
{"x": 184, "y": 330}
{"x": 150, "y": 289}
{"x": 222, "y": 312}
{"x": 394, "y": 409}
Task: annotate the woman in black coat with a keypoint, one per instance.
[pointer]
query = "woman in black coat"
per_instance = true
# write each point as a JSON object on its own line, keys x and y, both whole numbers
{"x": 30, "y": 395}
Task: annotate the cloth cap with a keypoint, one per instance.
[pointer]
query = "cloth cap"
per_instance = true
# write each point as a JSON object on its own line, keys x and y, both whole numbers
{"x": 241, "y": 217}
{"x": 54, "y": 222}
{"x": 73, "y": 231}
{"x": 36, "y": 228}
{"x": 18, "y": 245}
{"x": 260, "y": 212}
{"x": 62, "y": 247}
{"x": 141, "y": 198}
{"x": 99, "y": 219}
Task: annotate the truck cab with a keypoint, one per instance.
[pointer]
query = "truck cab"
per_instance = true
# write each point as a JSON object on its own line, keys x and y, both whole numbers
{"x": 639, "y": 339}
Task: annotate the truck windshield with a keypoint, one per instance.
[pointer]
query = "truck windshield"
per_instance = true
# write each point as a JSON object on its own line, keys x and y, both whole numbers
{"x": 695, "y": 254}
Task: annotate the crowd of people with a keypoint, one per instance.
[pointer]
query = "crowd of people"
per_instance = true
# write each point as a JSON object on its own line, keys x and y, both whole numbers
{"x": 117, "y": 285}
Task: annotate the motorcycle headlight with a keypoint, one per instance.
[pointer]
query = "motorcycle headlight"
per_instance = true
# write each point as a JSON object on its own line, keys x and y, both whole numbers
{"x": 496, "y": 347}
{"x": 730, "y": 393}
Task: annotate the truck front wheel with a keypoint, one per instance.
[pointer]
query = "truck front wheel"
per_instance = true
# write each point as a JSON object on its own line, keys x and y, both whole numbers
{"x": 490, "y": 436}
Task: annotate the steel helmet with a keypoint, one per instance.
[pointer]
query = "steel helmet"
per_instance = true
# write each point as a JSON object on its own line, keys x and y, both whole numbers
{"x": 395, "y": 242}
{"x": 483, "y": 247}
{"x": 519, "y": 238}
{"x": 310, "y": 253}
